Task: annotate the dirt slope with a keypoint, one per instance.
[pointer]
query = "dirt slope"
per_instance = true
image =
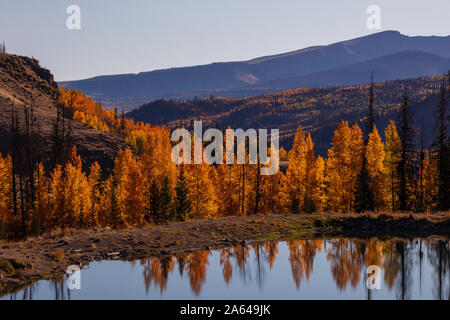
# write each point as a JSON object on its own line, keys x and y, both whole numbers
{"x": 22, "y": 82}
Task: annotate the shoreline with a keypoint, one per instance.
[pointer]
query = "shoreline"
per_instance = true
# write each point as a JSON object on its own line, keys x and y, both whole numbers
{"x": 48, "y": 256}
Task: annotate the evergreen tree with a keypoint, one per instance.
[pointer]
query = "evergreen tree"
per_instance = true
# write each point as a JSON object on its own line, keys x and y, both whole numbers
{"x": 363, "y": 193}
{"x": 122, "y": 122}
{"x": 364, "y": 200}
{"x": 183, "y": 206}
{"x": 392, "y": 150}
{"x": 405, "y": 167}
{"x": 154, "y": 204}
{"x": 117, "y": 220}
{"x": 371, "y": 111}
{"x": 165, "y": 205}
{"x": 441, "y": 151}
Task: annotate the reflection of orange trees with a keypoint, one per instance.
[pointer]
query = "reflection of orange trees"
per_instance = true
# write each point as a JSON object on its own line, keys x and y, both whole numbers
{"x": 241, "y": 254}
{"x": 391, "y": 263}
{"x": 271, "y": 252}
{"x": 346, "y": 260}
{"x": 374, "y": 252}
{"x": 301, "y": 257}
{"x": 156, "y": 272}
{"x": 196, "y": 265}
{"x": 225, "y": 261}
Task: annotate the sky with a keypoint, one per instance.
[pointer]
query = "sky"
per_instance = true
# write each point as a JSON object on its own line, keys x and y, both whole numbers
{"x": 143, "y": 35}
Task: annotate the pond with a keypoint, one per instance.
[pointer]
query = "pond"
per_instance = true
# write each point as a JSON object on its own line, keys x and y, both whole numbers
{"x": 301, "y": 269}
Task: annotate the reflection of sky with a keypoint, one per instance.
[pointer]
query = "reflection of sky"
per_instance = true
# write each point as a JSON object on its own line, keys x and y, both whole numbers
{"x": 121, "y": 280}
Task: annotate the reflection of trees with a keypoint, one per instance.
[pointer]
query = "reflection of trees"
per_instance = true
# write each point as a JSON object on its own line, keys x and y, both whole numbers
{"x": 301, "y": 257}
{"x": 241, "y": 253}
{"x": 346, "y": 260}
{"x": 181, "y": 260}
{"x": 374, "y": 252}
{"x": 404, "y": 278}
{"x": 391, "y": 263}
{"x": 271, "y": 252}
{"x": 196, "y": 265}
{"x": 225, "y": 261}
{"x": 439, "y": 257}
{"x": 260, "y": 271}
{"x": 157, "y": 271}
{"x": 398, "y": 263}
{"x": 264, "y": 253}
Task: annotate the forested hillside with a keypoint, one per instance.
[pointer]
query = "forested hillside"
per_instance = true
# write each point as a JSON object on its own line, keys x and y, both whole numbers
{"x": 31, "y": 92}
{"x": 318, "y": 111}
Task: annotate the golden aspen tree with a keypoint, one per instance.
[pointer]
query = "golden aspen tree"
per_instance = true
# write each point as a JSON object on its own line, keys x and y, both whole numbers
{"x": 430, "y": 183}
{"x": 304, "y": 180}
{"x": 314, "y": 194}
{"x": 227, "y": 185}
{"x": 393, "y": 147}
{"x": 41, "y": 210}
{"x": 283, "y": 154}
{"x": 5, "y": 193}
{"x": 77, "y": 200}
{"x": 97, "y": 201}
{"x": 294, "y": 188}
{"x": 343, "y": 165}
{"x": 127, "y": 188}
{"x": 156, "y": 159}
{"x": 375, "y": 155}
{"x": 115, "y": 215}
{"x": 271, "y": 194}
{"x": 56, "y": 197}
{"x": 201, "y": 191}
{"x": 319, "y": 196}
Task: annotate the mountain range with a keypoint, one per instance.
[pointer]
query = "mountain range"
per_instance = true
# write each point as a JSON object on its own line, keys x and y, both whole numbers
{"x": 390, "y": 55}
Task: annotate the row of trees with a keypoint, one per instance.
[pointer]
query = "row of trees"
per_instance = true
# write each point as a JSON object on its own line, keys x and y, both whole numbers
{"x": 360, "y": 173}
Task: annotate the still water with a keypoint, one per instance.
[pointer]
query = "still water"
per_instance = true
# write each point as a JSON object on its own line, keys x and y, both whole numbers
{"x": 302, "y": 269}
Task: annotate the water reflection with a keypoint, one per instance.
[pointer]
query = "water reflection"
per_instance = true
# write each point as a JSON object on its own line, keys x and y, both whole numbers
{"x": 261, "y": 268}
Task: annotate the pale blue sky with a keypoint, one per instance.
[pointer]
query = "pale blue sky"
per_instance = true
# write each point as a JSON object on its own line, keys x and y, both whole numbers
{"x": 142, "y": 35}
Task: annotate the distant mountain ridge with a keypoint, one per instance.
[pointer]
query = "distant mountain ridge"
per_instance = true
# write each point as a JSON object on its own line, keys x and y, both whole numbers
{"x": 235, "y": 78}
{"x": 401, "y": 65}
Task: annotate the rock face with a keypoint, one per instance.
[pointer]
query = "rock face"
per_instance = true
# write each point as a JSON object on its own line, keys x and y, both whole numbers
{"x": 23, "y": 82}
